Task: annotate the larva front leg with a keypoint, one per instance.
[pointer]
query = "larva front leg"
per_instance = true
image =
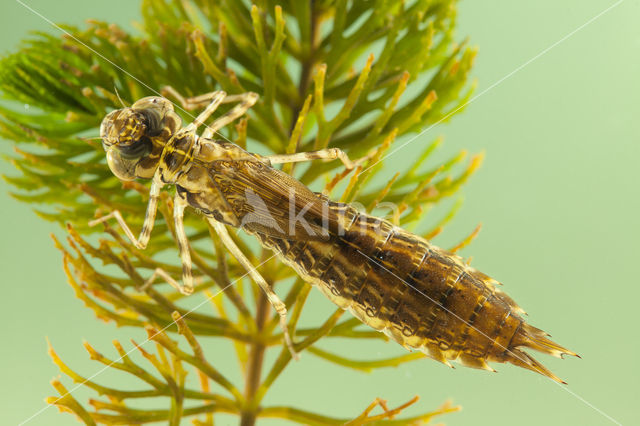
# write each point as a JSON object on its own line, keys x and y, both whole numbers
{"x": 212, "y": 100}
{"x": 149, "y": 218}
{"x": 141, "y": 242}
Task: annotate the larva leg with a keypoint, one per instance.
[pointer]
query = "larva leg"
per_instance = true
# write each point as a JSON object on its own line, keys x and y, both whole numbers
{"x": 212, "y": 101}
{"x": 186, "y": 288}
{"x": 179, "y": 205}
{"x": 247, "y": 100}
{"x": 142, "y": 241}
{"x": 216, "y": 100}
{"x": 149, "y": 219}
{"x": 325, "y": 154}
{"x": 200, "y": 101}
{"x": 191, "y": 103}
{"x": 255, "y": 275}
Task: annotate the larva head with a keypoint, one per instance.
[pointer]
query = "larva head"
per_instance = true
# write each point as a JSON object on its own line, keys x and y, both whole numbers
{"x": 134, "y": 137}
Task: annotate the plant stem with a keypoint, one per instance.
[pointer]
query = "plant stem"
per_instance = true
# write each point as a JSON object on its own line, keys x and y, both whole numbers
{"x": 307, "y": 69}
{"x": 256, "y": 360}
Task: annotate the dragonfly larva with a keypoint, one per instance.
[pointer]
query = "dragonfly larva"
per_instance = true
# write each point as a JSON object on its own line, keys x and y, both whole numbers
{"x": 394, "y": 281}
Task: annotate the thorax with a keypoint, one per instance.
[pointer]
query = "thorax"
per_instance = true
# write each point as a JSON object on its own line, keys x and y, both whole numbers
{"x": 197, "y": 166}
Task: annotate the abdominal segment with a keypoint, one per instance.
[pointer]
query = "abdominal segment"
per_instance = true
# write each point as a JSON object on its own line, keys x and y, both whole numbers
{"x": 418, "y": 294}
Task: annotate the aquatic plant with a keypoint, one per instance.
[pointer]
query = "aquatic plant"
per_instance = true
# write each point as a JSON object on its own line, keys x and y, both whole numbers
{"x": 359, "y": 75}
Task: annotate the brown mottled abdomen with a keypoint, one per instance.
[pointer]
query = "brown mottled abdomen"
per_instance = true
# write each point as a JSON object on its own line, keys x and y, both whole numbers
{"x": 420, "y": 295}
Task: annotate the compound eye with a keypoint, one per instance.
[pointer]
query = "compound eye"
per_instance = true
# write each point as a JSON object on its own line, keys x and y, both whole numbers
{"x": 122, "y": 168}
{"x": 136, "y": 149}
{"x": 125, "y": 127}
{"x": 134, "y": 129}
{"x": 108, "y": 132}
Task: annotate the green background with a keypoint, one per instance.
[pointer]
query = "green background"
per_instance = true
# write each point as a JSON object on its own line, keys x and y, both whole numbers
{"x": 557, "y": 195}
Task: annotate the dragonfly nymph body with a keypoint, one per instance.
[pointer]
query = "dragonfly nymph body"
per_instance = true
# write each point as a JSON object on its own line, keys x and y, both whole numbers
{"x": 394, "y": 281}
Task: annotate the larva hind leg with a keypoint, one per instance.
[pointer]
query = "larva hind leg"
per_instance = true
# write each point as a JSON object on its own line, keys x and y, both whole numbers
{"x": 278, "y": 305}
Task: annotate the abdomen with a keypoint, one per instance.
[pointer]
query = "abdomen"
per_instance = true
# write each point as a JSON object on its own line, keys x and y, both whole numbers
{"x": 418, "y": 294}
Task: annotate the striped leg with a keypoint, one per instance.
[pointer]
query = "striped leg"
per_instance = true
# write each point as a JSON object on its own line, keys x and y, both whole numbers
{"x": 325, "y": 154}
{"x": 179, "y": 205}
{"x": 216, "y": 100}
{"x": 200, "y": 101}
{"x": 212, "y": 100}
{"x": 149, "y": 219}
{"x": 142, "y": 241}
{"x": 255, "y": 275}
{"x": 186, "y": 288}
{"x": 247, "y": 100}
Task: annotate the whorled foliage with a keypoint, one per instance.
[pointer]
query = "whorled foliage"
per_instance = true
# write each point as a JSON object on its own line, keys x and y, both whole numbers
{"x": 356, "y": 74}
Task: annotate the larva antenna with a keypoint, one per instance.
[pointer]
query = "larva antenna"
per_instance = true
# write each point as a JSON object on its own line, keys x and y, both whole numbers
{"x": 119, "y": 98}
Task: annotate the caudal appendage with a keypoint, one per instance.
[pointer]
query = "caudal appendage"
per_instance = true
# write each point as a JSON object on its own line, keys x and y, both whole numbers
{"x": 534, "y": 338}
